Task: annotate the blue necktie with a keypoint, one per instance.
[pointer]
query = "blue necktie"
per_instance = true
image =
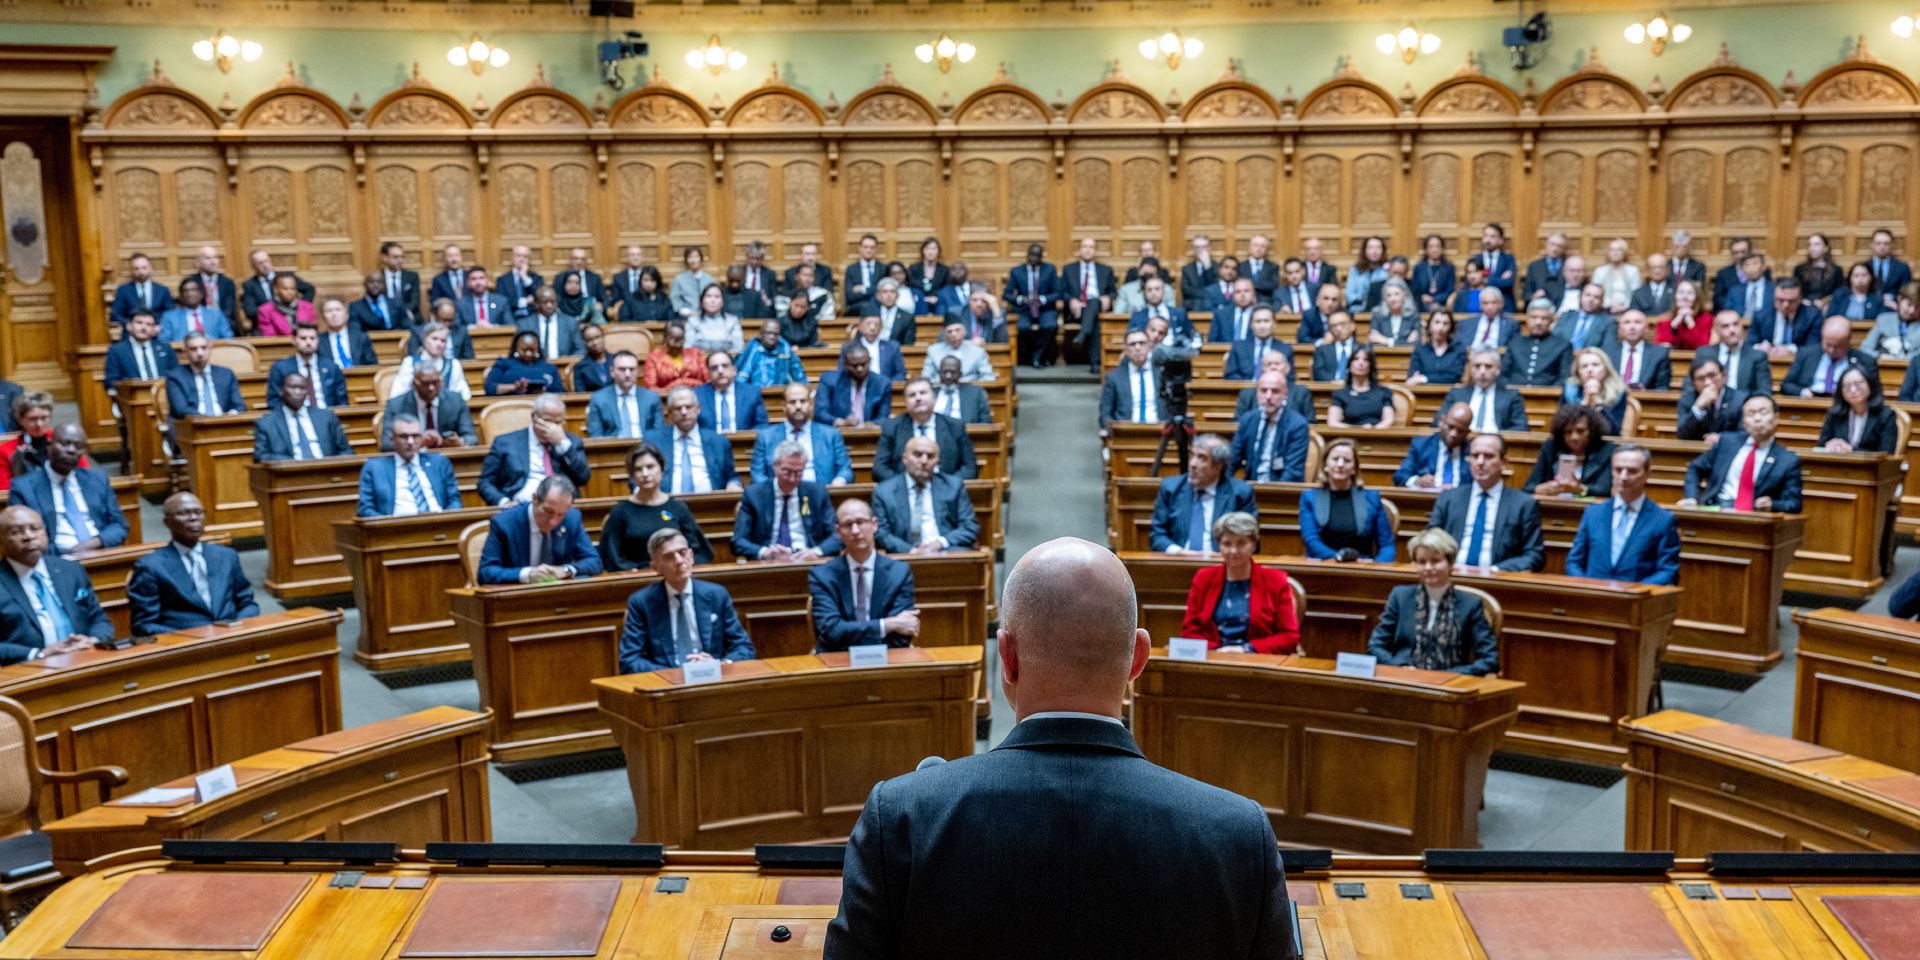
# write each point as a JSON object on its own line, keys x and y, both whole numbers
{"x": 1479, "y": 528}
{"x": 299, "y": 438}
{"x": 76, "y": 517}
{"x": 57, "y": 614}
{"x": 420, "y": 502}
{"x": 1263, "y": 469}
{"x": 721, "y": 417}
{"x": 782, "y": 535}
{"x": 340, "y": 350}
{"x": 1197, "y": 527}
{"x": 683, "y": 644}
{"x": 1553, "y": 267}
{"x": 385, "y": 321}
{"x": 1140, "y": 397}
{"x": 1447, "y": 474}
{"x": 1621, "y": 526}
{"x": 683, "y": 481}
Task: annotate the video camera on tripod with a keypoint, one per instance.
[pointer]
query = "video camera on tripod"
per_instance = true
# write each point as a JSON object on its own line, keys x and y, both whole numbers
{"x": 1173, "y": 370}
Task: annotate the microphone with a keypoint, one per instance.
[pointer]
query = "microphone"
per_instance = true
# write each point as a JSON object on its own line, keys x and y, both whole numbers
{"x": 929, "y": 763}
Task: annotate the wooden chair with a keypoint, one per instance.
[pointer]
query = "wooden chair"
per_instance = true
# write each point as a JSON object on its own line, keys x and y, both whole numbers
{"x": 473, "y": 540}
{"x": 26, "y": 859}
{"x": 503, "y": 417}
{"x": 1316, "y": 452}
{"x": 1402, "y": 404}
{"x": 1495, "y": 618}
{"x": 1630, "y": 421}
{"x": 383, "y": 383}
{"x": 631, "y": 337}
{"x": 378, "y": 418}
{"x": 1905, "y": 420}
{"x": 1393, "y": 523}
{"x": 236, "y": 355}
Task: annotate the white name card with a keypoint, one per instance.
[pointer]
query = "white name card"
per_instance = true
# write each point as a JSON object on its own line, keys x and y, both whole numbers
{"x": 215, "y": 783}
{"x": 1355, "y": 665}
{"x": 867, "y": 655}
{"x": 1182, "y": 648}
{"x": 702, "y": 671}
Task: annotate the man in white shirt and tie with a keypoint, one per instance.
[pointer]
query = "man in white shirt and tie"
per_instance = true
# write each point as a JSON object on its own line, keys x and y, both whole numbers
{"x": 698, "y": 460}
{"x": 1235, "y": 320}
{"x": 1494, "y": 525}
{"x": 412, "y": 481}
{"x": 862, "y": 596}
{"x": 1491, "y": 328}
{"x": 138, "y": 355}
{"x": 207, "y": 271}
{"x": 559, "y": 336}
{"x": 394, "y": 280}
{"x": 1483, "y": 395}
{"x": 1330, "y": 358}
{"x": 338, "y": 341}
{"x": 327, "y": 387}
{"x": 864, "y": 275}
{"x": 1295, "y": 296}
{"x": 1642, "y": 365}
{"x": 1312, "y": 265}
{"x": 297, "y": 430}
{"x": 61, "y": 499}
{"x": 623, "y": 408}
{"x": 453, "y": 274}
{"x": 198, "y": 388}
{"x": 140, "y": 291}
{"x": 1132, "y": 391}
{"x": 36, "y": 618}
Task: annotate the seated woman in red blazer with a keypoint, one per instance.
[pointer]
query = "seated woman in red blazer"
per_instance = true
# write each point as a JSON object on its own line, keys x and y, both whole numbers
{"x": 1240, "y": 604}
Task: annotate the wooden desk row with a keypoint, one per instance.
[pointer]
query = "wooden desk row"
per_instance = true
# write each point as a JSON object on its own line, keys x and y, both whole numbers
{"x": 401, "y": 567}
{"x": 1857, "y": 685}
{"x": 538, "y": 649}
{"x": 413, "y": 780}
{"x": 1587, "y": 650}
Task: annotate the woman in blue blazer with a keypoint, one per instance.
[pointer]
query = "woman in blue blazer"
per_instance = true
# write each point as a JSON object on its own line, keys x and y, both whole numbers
{"x": 1433, "y": 277}
{"x": 1455, "y": 638}
{"x": 1860, "y": 299}
{"x": 1341, "y": 514}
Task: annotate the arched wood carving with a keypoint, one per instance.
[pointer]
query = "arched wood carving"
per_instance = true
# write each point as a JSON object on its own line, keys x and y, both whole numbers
{"x": 1001, "y": 104}
{"x": 1116, "y": 101}
{"x": 1348, "y": 97}
{"x": 1468, "y": 93}
{"x": 1593, "y": 89}
{"x": 157, "y": 107}
{"x": 293, "y": 108}
{"x": 1858, "y": 83}
{"x": 653, "y": 106}
{"x": 540, "y": 109}
{"x": 887, "y": 104}
{"x": 774, "y": 104}
{"x": 1723, "y": 85}
{"x": 1230, "y": 99}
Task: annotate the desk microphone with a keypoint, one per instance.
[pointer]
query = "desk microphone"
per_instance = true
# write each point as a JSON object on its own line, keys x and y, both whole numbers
{"x": 929, "y": 763}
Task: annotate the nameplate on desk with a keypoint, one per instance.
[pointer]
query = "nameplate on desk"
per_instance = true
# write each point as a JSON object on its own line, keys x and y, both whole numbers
{"x": 1355, "y": 665}
{"x": 1182, "y": 648}
{"x": 216, "y": 783}
{"x": 867, "y": 655}
{"x": 702, "y": 671}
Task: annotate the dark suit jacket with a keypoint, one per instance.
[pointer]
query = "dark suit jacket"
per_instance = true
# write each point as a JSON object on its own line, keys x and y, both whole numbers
{"x": 1072, "y": 285}
{"x": 510, "y": 540}
{"x": 1652, "y": 300}
{"x": 182, "y": 395}
{"x": 126, "y": 300}
{"x": 1723, "y": 420}
{"x": 273, "y": 441}
{"x": 1727, "y": 283}
{"x": 1510, "y": 408}
{"x": 759, "y": 511}
{"x": 446, "y": 285}
{"x": 923, "y": 282}
{"x": 1651, "y": 554}
{"x": 1881, "y": 434}
{"x": 35, "y": 490}
{"x": 258, "y": 290}
{"x": 1753, "y": 372}
{"x": 120, "y": 364}
{"x": 566, "y": 333}
{"x": 956, "y": 448}
{"x": 1116, "y": 396}
{"x": 646, "y": 639}
{"x": 830, "y": 460}
{"x": 834, "y": 397}
{"x": 1804, "y": 327}
{"x": 1290, "y": 445}
{"x": 504, "y": 471}
{"x": 749, "y": 406}
{"x": 953, "y": 513}
{"x": 359, "y": 348}
{"x": 1265, "y": 275}
{"x": 974, "y": 406}
{"x": 161, "y": 598}
{"x": 603, "y": 410}
{"x": 1173, "y": 508}
{"x": 1193, "y": 283}
{"x": 856, "y": 277}
{"x": 222, "y": 294}
{"x": 1299, "y": 400}
{"x": 713, "y": 447}
{"x": 1419, "y": 462}
{"x": 380, "y": 488}
{"x": 1312, "y": 326}
{"x": 1065, "y": 807}
{"x": 499, "y": 312}
{"x": 1222, "y": 327}
{"x": 1688, "y": 269}
{"x": 1046, "y": 290}
{"x": 1517, "y": 541}
{"x": 1654, "y": 371}
{"x": 1541, "y": 280}
{"x": 1537, "y": 361}
{"x": 901, "y": 328}
{"x": 822, "y": 276}
{"x": 508, "y": 287}
{"x": 409, "y": 297}
{"x": 1806, "y": 365}
{"x": 1898, "y": 275}
{"x": 1326, "y": 360}
{"x": 21, "y": 636}
{"x": 1499, "y": 268}
{"x": 451, "y": 415}
{"x": 1393, "y": 636}
{"x": 831, "y": 586}
{"x": 332, "y": 386}
{"x": 1778, "y": 476}
{"x": 364, "y": 314}
{"x": 1240, "y": 362}
{"x": 1507, "y": 331}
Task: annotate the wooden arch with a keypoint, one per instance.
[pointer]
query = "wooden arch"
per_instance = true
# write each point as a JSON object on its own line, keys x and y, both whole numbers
{"x": 1348, "y": 96}
{"x": 887, "y": 104}
{"x": 1000, "y": 102}
{"x": 1592, "y": 89}
{"x": 541, "y": 106}
{"x": 1722, "y": 85}
{"x": 1468, "y": 93}
{"x": 1859, "y": 81}
{"x": 159, "y": 104}
{"x": 658, "y": 104}
{"x": 774, "y": 104}
{"x": 1116, "y": 100}
{"x": 418, "y": 104}
{"x": 1230, "y": 99}
{"x": 292, "y": 105}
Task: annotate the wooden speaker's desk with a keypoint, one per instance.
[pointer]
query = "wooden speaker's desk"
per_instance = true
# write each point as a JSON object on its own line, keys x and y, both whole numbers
{"x": 1857, "y": 685}
{"x": 538, "y": 648}
{"x": 784, "y": 749}
{"x": 1587, "y": 650}
{"x": 1697, "y": 786}
{"x": 1394, "y": 763}
{"x": 401, "y": 567}
{"x": 413, "y": 780}
{"x": 188, "y": 701}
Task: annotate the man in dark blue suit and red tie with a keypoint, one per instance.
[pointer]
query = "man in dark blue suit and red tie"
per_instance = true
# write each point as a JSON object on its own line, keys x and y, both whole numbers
{"x": 1747, "y": 471}
{"x": 1030, "y": 296}
{"x": 679, "y": 620}
{"x": 1627, "y": 537}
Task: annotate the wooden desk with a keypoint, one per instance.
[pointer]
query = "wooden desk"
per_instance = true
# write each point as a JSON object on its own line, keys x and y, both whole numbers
{"x": 1391, "y": 764}
{"x": 1587, "y": 650}
{"x": 1857, "y": 685}
{"x": 109, "y": 571}
{"x": 218, "y": 451}
{"x": 786, "y": 749}
{"x": 1696, "y": 786}
{"x": 1845, "y": 500}
{"x": 189, "y": 701}
{"x": 412, "y": 780}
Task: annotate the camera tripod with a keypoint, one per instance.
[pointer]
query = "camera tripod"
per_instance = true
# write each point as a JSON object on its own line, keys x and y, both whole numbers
{"x": 1178, "y": 429}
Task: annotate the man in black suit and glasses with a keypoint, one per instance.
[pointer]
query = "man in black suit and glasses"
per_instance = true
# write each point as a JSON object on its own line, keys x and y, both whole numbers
{"x": 1037, "y": 848}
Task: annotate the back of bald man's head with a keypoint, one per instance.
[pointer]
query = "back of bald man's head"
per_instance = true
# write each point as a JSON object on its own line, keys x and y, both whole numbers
{"x": 1070, "y": 606}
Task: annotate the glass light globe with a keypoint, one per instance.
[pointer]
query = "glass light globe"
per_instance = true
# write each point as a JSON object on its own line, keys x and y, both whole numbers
{"x": 736, "y": 60}
{"x": 716, "y": 55}
{"x": 1409, "y": 38}
{"x": 945, "y": 47}
{"x": 250, "y": 51}
{"x": 476, "y": 51}
{"x": 1148, "y": 48}
{"x": 1193, "y": 47}
{"x": 498, "y": 57}
{"x": 1681, "y": 32}
{"x": 1384, "y": 42}
{"x": 1169, "y": 43}
{"x": 457, "y": 56}
{"x": 1657, "y": 28}
{"x": 966, "y": 53}
{"x": 696, "y": 59}
{"x": 1903, "y": 26}
{"x": 1636, "y": 33}
{"x": 227, "y": 46}
{"x": 924, "y": 52}
{"x": 1429, "y": 43}
{"x": 204, "y": 49}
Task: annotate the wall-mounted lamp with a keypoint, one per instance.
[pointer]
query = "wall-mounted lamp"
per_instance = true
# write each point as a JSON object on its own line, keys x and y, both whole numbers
{"x": 1409, "y": 41}
{"x": 1174, "y": 46}
{"x": 1659, "y": 30}
{"x": 946, "y": 51}
{"x": 713, "y": 56}
{"x": 1903, "y": 26}
{"x": 478, "y": 55}
{"x": 223, "y": 47}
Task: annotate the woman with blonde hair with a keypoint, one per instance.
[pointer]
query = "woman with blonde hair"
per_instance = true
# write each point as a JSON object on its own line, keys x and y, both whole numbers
{"x": 1433, "y": 625}
{"x": 1617, "y": 277}
{"x": 1341, "y": 514}
{"x": 1596, "y": 385}
{"x": 1396, "y": 323}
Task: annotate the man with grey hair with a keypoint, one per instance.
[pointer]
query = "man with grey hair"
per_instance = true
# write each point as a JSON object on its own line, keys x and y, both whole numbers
{"x": 785, "y": 517}
{"x": 1537, "y": 358}
{"x": 1072, "y": 811}
{"x": 1544, "y": 277}
{"x": 896, "y": 322}
{"x": 1495, "y": 406}
{"x": 519, "y": 460}
{"x": 679, "y": 620}
{"x": 540, "y": 541}
{"x": 1681, "y": 264}
{"x": 1627, "y": 537}
{"x": 1184, "y": 509}
{"x": 410, "y": 482}
{"x": 1492, "y": 328}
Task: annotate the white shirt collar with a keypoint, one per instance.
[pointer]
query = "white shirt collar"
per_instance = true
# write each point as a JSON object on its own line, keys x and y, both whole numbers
{"x": 23, "y": 572}
{"x": 1070, "y": 715}
{"x": 1634, "y": 507}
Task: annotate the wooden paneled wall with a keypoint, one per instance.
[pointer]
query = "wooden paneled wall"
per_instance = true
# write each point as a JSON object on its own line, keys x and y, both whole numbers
{"x": 1725, "y": 153}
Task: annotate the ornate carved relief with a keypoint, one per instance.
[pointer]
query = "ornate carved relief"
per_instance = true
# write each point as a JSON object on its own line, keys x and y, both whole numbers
{"x": 293, "y": 111}
{"x": 774, "y": 110}
{"x": 1822, "y": 173}
{"x": 998, "y": 108}
{"x": 1348, "y": 103}
{"x": 452, "y": 200}
{"x": 1466, "y": 100}
{"x": 569, "y": 184}
{"x": 396, "y": 190}
{"x": 418, "y": 111}
{"x": 752, "y": 197}
{"x": 1230, "y": 104}
{"x": 1373, "y": 177}
{"x": 1092, "y": 193}
{"x": 1253, "y": 192}
{"x": 518, "y": 185}
{"x": 326, "y": 203}
{"x": 866, "y": 195}
{"x": 1140, "y": 192}
{"x": 1861, "y": 87}
{"x": 1027, "y": 193}
{"x": 1439, "y": 189}
{"x": 162, "y": 111}
{"x": 659, "y": 110}
{"x": 196, "y": 193}
{"x": 636, "y": 198}
{"x": 1724, "y": 92}
{"x": 1206, "y": 191}
{"x": 137, "y": 192}
{"x": 1320, "y": 190}
{"x": 539, "y": 111}
{"x": 1616, "y": 187}
{"x": 1883, "y": 183}
{"x": 913, "y": 185}
{"x": 1689, "y": 177}
{"x": 272, "y": 189}
{"x": 1593, "y": 96}
{"x": 1118, "y": 106}
{"x": 979, "y": 195}
{"x": 887, "y": 109}
{"x": 1560, "y": 187}
{"x": 1745, "y": 186}
{"x": 687, "y": 198}
{"x": 800, "y": 182}
{"x": 1492, "y": 188}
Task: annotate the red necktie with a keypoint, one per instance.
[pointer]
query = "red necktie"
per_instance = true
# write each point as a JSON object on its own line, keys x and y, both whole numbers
{"x": 546, "y": 457}
{"x": 1743, "y": 495}
{"x": 1630, "y": 352}
{"x": 197, "y": 326}
{"x": 483, "y": 310}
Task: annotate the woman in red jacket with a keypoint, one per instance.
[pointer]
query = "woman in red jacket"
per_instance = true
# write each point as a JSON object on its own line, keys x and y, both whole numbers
{"x": 1240, "y": 604}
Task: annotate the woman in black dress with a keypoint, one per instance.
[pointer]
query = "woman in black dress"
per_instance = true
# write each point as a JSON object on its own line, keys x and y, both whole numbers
{"x": 1819, "y": 276}
{"x": 653, "y": 305}
{"x": 929, "y": 276}
{"x": 623, "y": 539}
{"x": 1438, "y": 359}
{"x": 1363, "y": 402}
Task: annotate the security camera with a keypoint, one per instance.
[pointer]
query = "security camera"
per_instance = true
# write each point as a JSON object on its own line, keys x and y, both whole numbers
{"x": 614, "y": 51}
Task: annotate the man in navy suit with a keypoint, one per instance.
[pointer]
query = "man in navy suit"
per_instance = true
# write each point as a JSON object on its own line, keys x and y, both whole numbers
{"x": 1198, "y": 274}
{"x": 220, "y": 291}
{"x": 785, "y": 517}
{"x": 1244, "y": 358}
{"x": 401, "y": 286}
{"x": 1787, "y": 324}
{"x": 519, "y": 283}
{"x": 810, "y": 257}
{"x": 624, "y": 408}
{"x": 728, "y": 404}
{"x": 539, "y": 541}
{"x": 1271, "y": 443}
{"x": 883, "y": 355}
{"x": 851, "y": 396}
{"x": 1438, "y": 461}
{"x": 47, "y": 605}
{"x": 296, "y": 430}
{"x": 198, "y": 388}
{"x": 1491, "y": 327}
{"x": 864, "y": 274}
{"x": 1185, "y": 508}
{"x": 679, "y": 620}
{"x": 1743, "y": 368}
{"x": 1747, "y": 471}
{"x": 327, "y": 385}
{"x": 559, "y": 336}
{"x": 1154, "y": 291}
{"x": 1642, "y": 364}
{"x": 822, "y": 445}
{"x": 1299, "y": 397}
{"x": 1031, "y": 294}
{"x": 1715, "y": 407}
{"x": 139, "y": 355}
{"x": 921, "y": 510}
{"x": 1590, "y": 325}
{"x": 965, "y": 402}
{"x": 445, "y": 421}
{"x": 1494, "y": 261}
{"x": 75, "y": 502}
{"x": 698, "y": 459}
{"x": 186, "y": 583}
{"x": 1234, "y": 320}
{"x": 1131, "y": 393}
{"x": 1544, "y": 278}
{"x": 919, "y": 420}
{"x": 1888, "y": 273}
{"x": 1731, "y": 278}
{"x": 1681, "y": 262}
{"x": 1750, "y": 290}
{"x": 1328, "y": 299}
{"x": 518, "y": 462}
{"x": 451, "y": 281}
{"x": 861, "y": 597}
{"x": 375, "y": 310}
{"x": 1331, "y": 358}
{"x": 1088, "y": 289}
{"x": 1495, "y": 407}
{"x": 1817, "y": 373}
{"x": 140, "y": 291}
{"x": 1263, "y": 272}
{"x": 1495, "y": 525}
{"x": 1627, "y": 537}
{"x": 1071, "y": 812}
{"x": 480, "y": 308}
{"x": 411, "y": 481}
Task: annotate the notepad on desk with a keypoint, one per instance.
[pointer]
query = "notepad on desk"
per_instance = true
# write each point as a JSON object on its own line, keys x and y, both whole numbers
{"x": 155, "y": 797}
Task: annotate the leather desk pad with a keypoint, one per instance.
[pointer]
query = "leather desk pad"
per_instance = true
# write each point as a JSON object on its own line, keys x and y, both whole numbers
{"x": 1888, "y": 928}
{"x": 728, "y": 671}
{"x": 1304, "y": 894}
{"x": 1780, "y": 749}
{"x": 1903, "y": 789}
{"x": 340, "y": 741}
{"x": 841, "y": 658}
{"x": 809, "y": 890}
{"x": 560, "y": 917}
{"x": 1577, "y": 922}
{"x": 191, "y": 911}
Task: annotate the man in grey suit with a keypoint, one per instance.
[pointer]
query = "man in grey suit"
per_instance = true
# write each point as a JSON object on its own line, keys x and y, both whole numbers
{"x": 1035, "y": 849}
{"x": 559, "y": 336}
{"x": 445, "y": 421}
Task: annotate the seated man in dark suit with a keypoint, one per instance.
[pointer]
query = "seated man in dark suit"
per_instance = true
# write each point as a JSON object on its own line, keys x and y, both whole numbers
{"x": 1217, "y": 295}
{"x": 1643, "y": 364}
{"x": 1234, "y": 320}
{"x": 1889, "y": 274}
{"x": 1495, "y": 405}
{"x": 479, "y": 306}
{"x": 297, "y": 430}
{"x": 1069, "y": 647}
{"x": 1715, "y": 408}
{"x": 896, "y": 320}
{"x": 1243, "y": 358}
{"x": 921, "y": 510}
{"x": 445, "y": 421}
{"x": 1744, "y": 368}
{"x": 624, "y": 408}
{"x": 698, "y": 459}
{"x": 784, "y": 517}
{"x": 853, "y": 396}
{"x": 1655, "y": 296}
{"x": 1299, "y": 396}
{"x": 74, "y": 501}
{"x": 519, "y": 282}
{"x": 1787, "y": 324}
{"x": 1627, "y": 537}
{"x": 1184, "y": 509}
{"x": 729, "y": 404}
{"x": 1495, "y": 525}
{"x": 559, "y": 336}
{"x": 657, "y": 636}
{"x": 1491, "y": 327}
{"x": 1271, "y": 442}
{"x": 1330, "y": 358}
{"x": 1590, "y": 325}
{"x": 401, "y": 286}
{"x": 1313, "y": 324}
{"x": 326, "y": 384}
{"x": 1543, "y": 275}
{"x": 346, "y": 345}
{"x": 539, "y": 541}
{"x": 452, "y": 277}
{"x": 1438, "y": 461}
{"x": 375, "y": 310}
{"x": 1747, "y": 471}
{"x": 198, "y": 388}
{"x": 826, "y": 451}
{"x": 140, "y": 292}
{"x": 519, "y": 461}
{"x": 140, "y": 355}
{"x": 1153, "y": 291}
{"x": 1816, "y": 373}
{"x": 47, "y": 605}
{"x": 1731, "y": 278}
{"x": 965, "y": 402}
{"x": 187, "y": 583}
{"x": 410, "y": 482}
{"x": 1131, "y": 393}
{"x": 919, "y": 420}
{"x": 861, "y": 597}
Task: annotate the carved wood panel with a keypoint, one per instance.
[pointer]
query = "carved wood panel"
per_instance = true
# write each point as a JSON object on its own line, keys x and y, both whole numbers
{"x": 1027, "y": 194}
{"x": 327, "y": 204}
{"x": 1140, "y": 192}
{"x": 1560, "y": 188}
{"x": 1207, "y": 192}
{"x": 866, "y": 195}
{"x": 914, "y": 185}
{"x": 636, "y": 200}
{"x": 1373, "y": 178}
{"x": 197, "y": 197}
{"x": 139, "y": 206}
{"x": 517, "y": 185}
{"x": 1492, "y": 188}
{"x": 1883, "y": 183}
{"x": 397, "y": 196}
{"x": 1320, "y": 192}
{"x": 1616, "y": 188}
{"x": 687, "y": 198}
{"x": 1092, "y": 193}
{"x": 272, "y": 189}
{"x": 1747, "y": 184}
{"x": 1823, "y": 172}
{"x": 752, "y": 198}
{"x": 1439, "y": 191}
{"x": 979, "y": 194}
{"x": 1253, "y": 179}
{"x": 452, "y": 201}
{"x": 800, "y": 182}
{"x": 571, "y": 189}
{"x": 1689, "y": 182}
